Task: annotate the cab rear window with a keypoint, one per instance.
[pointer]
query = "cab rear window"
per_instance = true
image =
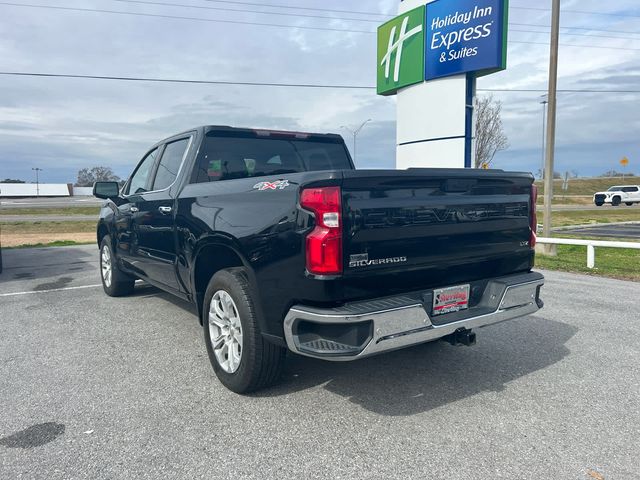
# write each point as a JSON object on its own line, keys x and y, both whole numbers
{"x": 227, "y": 158}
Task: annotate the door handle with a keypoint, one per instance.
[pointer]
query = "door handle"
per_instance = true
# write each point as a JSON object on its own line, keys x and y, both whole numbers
{"x": 165, "y": 210}
{"x": 134, "y": 209}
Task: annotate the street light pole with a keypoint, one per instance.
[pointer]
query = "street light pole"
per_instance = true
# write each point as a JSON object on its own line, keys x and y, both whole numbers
{"x": 551, "y": 124}
{"x": 355, "y": 136}
{"x": 37, "y": 170}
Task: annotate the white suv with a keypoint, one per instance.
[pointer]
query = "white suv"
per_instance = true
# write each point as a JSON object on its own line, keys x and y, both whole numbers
{"x": 628, "y": 194}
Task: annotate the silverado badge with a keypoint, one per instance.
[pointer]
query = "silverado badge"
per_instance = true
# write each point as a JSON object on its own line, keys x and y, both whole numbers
{"x": 362, "y": 260}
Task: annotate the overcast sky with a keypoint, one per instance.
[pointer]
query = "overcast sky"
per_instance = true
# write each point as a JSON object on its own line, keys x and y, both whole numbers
{"x": 62, "y": 125}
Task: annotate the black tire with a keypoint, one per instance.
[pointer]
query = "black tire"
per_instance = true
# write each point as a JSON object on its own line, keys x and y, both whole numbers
{"x": 261, "y": 362}
{"x": 616, "y": 201}
{"x": 629, "y": 204}
{"x": 120, "y": 283}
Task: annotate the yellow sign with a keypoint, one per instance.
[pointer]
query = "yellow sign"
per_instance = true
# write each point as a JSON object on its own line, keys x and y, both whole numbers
{"x": 485, "y": 166}
{"x": 624, "y": 162}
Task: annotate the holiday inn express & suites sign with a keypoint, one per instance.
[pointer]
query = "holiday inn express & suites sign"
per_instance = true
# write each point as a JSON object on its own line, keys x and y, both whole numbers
{"x": 441, "y": 39}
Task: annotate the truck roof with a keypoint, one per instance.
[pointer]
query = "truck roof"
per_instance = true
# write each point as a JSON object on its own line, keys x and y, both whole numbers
{"x": 261, "y": 132}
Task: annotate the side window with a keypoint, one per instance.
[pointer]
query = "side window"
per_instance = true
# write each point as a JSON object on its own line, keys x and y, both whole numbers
{"x": 170, "y": 163}
{"x": 630, "y": 189}
{"x": 140, "y": 178}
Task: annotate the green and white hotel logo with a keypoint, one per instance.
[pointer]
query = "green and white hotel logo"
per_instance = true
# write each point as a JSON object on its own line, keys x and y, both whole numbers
{"x": 401, "y": 44}
{"x": 441, "y": 39}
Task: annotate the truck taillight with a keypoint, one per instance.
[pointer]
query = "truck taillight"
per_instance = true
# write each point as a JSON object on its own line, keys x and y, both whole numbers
{"x": 324, "y": 243}
{"x": 533, "y": 216}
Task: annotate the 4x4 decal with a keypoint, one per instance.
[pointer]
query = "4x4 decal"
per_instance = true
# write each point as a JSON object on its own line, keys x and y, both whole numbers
{"x": 277, "y": 185}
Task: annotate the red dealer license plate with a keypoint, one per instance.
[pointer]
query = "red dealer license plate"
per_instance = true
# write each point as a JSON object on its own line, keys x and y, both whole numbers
{"x": 452, "y": 299}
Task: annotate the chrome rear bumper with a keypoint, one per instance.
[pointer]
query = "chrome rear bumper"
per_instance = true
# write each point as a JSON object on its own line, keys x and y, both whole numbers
{"x": 362, "y": 329}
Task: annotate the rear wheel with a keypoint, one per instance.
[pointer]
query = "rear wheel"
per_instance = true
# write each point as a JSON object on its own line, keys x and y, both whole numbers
{"x": 115, "y": 282}
{"x": 242, "y": 360}
{"x": 629, "y": 204}
{"x": 616, "y": 201}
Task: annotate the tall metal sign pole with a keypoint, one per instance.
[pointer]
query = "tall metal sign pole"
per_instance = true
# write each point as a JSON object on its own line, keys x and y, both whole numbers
{"x": 551, "y": 122}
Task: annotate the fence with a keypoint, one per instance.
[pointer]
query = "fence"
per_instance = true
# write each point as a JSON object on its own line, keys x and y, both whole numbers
{"x": 590, "y": 244}
{"x": 43, "y": 190}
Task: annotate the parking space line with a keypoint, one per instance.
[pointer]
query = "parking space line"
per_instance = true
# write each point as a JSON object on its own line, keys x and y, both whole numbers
{"x": 49, "y": 291}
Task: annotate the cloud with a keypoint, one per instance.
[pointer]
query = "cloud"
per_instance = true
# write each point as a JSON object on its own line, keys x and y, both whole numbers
{"x": 64, "y": 125}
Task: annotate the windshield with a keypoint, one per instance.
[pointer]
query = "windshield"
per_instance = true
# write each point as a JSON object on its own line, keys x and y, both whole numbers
{"x": 226, "y": 158}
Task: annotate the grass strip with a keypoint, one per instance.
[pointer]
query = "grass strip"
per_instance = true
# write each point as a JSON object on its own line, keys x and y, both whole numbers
{"x": 610, "y": 262}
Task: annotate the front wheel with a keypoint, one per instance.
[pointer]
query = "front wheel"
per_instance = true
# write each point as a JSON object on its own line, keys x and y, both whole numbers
{"x": 115, "y": 282}
{"x": 616, "y": 201}
{"x": 242, "y": 360}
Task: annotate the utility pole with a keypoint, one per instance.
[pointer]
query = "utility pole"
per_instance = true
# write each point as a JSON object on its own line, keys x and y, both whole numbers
{"x": 544, "y": 126}
{"x": 551, "y": 123}
{"x": 37, "y": 170}
{"x": 355, "y": 136}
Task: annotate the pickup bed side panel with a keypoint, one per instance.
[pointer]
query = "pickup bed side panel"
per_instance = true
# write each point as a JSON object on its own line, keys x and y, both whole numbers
{"x": 266, "y": 228}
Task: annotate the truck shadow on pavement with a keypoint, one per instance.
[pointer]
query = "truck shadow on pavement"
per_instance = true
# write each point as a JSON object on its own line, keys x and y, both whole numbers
{"x": 60, "y": 264}
{"x": 419, "y": 379}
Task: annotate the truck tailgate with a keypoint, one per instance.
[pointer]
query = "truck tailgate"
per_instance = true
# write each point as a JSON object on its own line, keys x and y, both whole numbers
{"x": 435, "y": 227}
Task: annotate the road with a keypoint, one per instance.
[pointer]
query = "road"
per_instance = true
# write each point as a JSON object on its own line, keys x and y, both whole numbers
{"x": 97, "y": 387}
{"x": 630, "y": 231}
{"x": 49, "y": 202}
{"x": 590, "y": 208}
{"x": 48, "y": 218}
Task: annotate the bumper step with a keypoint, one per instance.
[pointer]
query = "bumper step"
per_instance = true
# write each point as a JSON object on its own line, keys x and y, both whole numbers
{"x": 328, "y": 347}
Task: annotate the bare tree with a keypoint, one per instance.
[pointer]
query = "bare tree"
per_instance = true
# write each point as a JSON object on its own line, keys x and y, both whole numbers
{"x": 490, "y": 136}
{"x": 88, "y": 176}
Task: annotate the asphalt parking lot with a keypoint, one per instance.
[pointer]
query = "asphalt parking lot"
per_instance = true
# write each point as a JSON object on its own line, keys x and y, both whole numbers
{"x": 95, "y": 387}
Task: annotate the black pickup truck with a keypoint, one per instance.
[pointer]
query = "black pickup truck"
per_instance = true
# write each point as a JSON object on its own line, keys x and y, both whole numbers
{"x": 281, "y": 244}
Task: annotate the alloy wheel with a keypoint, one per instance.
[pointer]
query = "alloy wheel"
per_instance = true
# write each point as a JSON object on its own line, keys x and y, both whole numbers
{"x": 225, "y": 331}
{"x": 105, "y": 264}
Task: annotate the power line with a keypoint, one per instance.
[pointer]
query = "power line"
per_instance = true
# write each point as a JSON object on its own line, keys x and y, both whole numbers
{"x": 238, "y": 22}
{"x": 223, "y": 9}
{"x": 576, "y": 34}
{"x": 544, "y": 90}
{"x": 177, "y": 17}
{"x": 583, "y": 12}
{"x": 197, "y": 82}
{"x": 574, "y": 28}
{"x": 271, "y": 84}
{"x": 170, "y": 4}
{"x": 579, "y": 46}
{"x": 290, "y": 7}
{"x": 271, "y": 5}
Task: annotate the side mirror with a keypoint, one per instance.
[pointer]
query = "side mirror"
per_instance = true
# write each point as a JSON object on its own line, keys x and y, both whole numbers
{"x": 106, "y": 190}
